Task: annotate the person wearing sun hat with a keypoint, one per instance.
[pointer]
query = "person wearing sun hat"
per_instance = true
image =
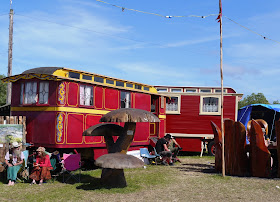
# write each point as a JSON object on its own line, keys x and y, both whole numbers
{"x": 13, "y": 160}
{"x": 42, "y": 167}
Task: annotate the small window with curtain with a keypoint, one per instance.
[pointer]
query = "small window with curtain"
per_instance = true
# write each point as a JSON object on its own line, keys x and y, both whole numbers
{"x": 173, "y": 105}
{"x": 86, "y": 95}
{"x": 125, "y": 99}
{"x": 210, "y": 105}
{"x": 30, "y": 93}
{"x": 43, "y": 92}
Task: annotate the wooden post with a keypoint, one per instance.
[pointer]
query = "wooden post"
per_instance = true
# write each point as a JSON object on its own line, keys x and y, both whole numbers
{"x": 222, "y": 89}
{"x": 10, "y": 57}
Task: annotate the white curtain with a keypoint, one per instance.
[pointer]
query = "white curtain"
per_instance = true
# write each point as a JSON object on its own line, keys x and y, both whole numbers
{"x": 82, "y": 95}
{"x": 44, "y": 93}
{"x": 30, "y": 93}
{"x": 127, "y": 100}
{"x": 87, "y": 95}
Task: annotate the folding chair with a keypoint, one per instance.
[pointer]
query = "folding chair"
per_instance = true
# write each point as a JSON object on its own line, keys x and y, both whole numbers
{"x": 144, "y": 153}
{"x": 72, "y": 165}
{"x": 25, "y": 166}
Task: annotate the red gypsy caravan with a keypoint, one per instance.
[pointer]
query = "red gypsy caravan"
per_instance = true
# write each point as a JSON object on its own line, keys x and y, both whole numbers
{"x": 60, "y": 103}
{"x": 189, "y": 111}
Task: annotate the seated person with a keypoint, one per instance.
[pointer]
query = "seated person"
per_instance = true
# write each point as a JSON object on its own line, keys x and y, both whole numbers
{"x": 172, "y": 147}
{"x": 161, "y": 148}
{"x": 13, "y": 159}
{"x": 42, "y": 167}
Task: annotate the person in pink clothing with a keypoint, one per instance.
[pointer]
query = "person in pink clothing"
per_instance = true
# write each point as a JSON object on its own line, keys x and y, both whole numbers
{"x": 42, "y": 167}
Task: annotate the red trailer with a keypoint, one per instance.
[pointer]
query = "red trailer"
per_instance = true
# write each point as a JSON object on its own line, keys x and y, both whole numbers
{"x": 60, "y": 103}
{"x": 189, "y": 111}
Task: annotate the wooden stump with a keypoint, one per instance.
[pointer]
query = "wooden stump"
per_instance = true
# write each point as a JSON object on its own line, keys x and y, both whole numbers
{"x": 113, "y": 178}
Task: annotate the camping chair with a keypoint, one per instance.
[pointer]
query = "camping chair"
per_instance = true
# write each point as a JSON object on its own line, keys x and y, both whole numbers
{"x": 24, "y": 172}
{"x": 144, "y": 153}
{"x": 56, "y": 165}
{"x": 72, "y": 165}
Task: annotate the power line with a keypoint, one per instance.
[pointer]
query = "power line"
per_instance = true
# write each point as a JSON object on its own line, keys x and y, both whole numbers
{"x": 160, "y": 15}
{"x": 264, "y": 37}
{"x": 198, "y": 16}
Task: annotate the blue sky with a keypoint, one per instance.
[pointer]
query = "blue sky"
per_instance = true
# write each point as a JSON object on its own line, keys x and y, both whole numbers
{"x": 179, "y": 51}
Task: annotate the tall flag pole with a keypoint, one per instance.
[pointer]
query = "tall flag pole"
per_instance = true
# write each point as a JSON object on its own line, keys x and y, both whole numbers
{"x": 222, "y": 88}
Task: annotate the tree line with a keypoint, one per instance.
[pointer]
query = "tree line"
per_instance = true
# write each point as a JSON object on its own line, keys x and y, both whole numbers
{"x": 255, "y": 99}
{"x": 3, "y": 91}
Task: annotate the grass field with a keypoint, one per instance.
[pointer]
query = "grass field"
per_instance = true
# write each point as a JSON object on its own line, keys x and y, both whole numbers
{"x": 192, "y": 180}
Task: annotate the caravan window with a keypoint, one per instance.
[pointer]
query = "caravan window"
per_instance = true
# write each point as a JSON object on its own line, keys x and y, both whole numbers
{"x": 30, "y": 94}
{"x": 210, "y": 105}
{"x": 86, "y": 95}
{"x": 173, "y": 105}
{"x": 125, "y": 99}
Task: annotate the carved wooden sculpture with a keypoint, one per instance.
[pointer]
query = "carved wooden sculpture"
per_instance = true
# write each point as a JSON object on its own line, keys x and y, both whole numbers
{"x": 259, "y": 155}
{"x": 218, "y": 146}
{"x": 114, "y": 164}
{"x": 277, "y": 132}
{"x": 236, "y": 161}
{"x": 229, "y": 146}
{"x": 111, "y": 176}
{"x": 242, "y": 166}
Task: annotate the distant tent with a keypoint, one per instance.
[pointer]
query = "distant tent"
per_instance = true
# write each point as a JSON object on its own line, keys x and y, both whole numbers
{"x": 269, "y": 113}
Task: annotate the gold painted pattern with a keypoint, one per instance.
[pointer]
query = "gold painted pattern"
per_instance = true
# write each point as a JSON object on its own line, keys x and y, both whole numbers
{"x": 59, "y": 127}
{"x": 61, "y": 92}
{"x": 30, "y": 76}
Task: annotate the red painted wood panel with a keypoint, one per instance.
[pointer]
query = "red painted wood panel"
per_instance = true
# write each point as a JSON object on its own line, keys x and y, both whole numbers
{"x": 142, "y": 101}
{"x": 90, "y": 121}
{"x": 73, "y": 94}
{"x": 98, "y": 97}
{"x": 162, "y": 99}
{"x": 189, "y": 144}
{"x": 15, "y": 94}
{"x": 111, "y": 98}
{"x": 190, "y": 122}
{"x": 74, "y": 128}
{"x": 41, "y": 127}
{"x": 142, "y": 132}
{"x": 52, "y": 93}
{"x": 162, "y": 127}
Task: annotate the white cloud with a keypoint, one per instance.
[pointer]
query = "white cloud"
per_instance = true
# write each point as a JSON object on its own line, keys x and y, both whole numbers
{"x": 192, "y": 42}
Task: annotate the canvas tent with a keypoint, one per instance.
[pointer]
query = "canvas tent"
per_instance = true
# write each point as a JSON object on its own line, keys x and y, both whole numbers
{"x": 269, "y": 113}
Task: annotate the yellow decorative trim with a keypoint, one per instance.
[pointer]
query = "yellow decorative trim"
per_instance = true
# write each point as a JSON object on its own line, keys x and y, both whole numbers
{"x": 30, "y": 76}
{"x": 162, "y": 116}
{"x": 59, "y": 109}
{"x": 59, "y": 129}
{"x": 154, "y": 128}
{"x": 61, "y": 72}
{"x": 61, "y": 92}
